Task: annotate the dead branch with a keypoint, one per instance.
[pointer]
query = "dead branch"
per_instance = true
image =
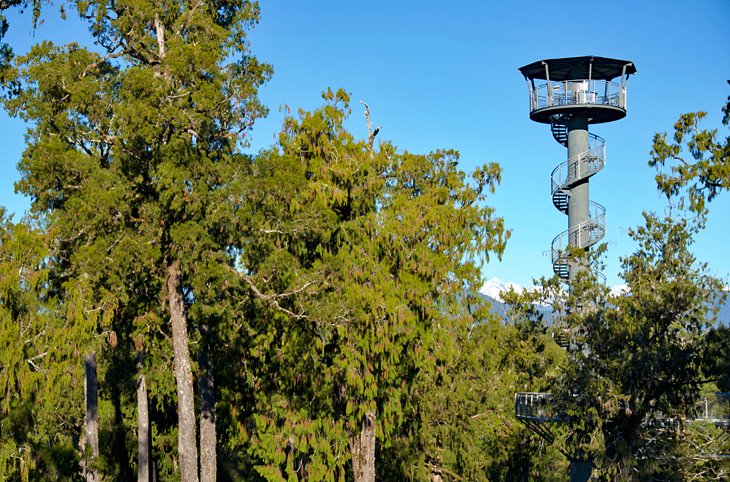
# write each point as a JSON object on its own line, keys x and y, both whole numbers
{"x": 371, "y": 133}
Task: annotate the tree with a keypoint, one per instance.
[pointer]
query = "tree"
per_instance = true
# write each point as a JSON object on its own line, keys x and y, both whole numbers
{"x": 128, "y": 156}
{"x": 700, "y": 177}
{"x": 39, "y": 419}
{"x": 461, "y": 423}
{"x": 638, "y": 358}
{"x": 372, "y": 248}
{"x": 699, "y": 163}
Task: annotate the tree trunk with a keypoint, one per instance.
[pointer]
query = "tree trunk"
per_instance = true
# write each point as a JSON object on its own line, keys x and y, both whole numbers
{"x": 434, "y": 476}
{"x": 186, "y": 440}
{"x": 91, "y": 401}
{"x": 362, "y": 450}
{"x": 619, "y": 436}
{"x": 143, "y": 425}
{"x": 207, "y": 411}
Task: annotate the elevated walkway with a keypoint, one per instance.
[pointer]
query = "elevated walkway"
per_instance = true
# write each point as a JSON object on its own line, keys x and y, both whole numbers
{"x": 539, "y": 408}
{"x": 714, "y": 410}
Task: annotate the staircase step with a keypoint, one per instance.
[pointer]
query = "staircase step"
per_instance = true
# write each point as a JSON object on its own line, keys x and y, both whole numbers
{"x": 560, "y": 201}
{"x": 562, "y": 338}
{"x": 561, "y": 269}
{"x": 560, "y": 132}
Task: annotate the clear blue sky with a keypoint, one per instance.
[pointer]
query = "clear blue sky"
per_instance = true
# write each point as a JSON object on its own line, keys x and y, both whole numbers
{"x": 444, "y": 75}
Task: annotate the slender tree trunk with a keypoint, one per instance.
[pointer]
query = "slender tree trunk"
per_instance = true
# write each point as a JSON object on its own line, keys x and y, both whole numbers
{"x": 620, "y": 436}
{"x": 186, "y": 441}
{"x": 207, "y": 411}
{"x": 91, "y": 402}
{"x": 143, "y": 425}
{"x": 362, "y": 450}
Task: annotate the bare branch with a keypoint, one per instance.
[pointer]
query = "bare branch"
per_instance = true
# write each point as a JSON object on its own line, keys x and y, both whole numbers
{"x": 31, "y": 361}
{"x": 371, "y": 133}
{"x": 272, "y": 299}
{"x": 160, "y": 31}
{"x": 478, "y": 415}
{"x": 93, "y": 65}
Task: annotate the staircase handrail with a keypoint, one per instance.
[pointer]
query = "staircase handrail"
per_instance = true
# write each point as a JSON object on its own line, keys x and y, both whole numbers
{"x": 595, "y": 156}
{"x": 594, "y": 228}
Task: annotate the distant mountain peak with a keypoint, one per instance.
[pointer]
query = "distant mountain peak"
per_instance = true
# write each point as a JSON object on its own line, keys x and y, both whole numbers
{"x": 620, "y": 290}
{"x": 494, "y": 287}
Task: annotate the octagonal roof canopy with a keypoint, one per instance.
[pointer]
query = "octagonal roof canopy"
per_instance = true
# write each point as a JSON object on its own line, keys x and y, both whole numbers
{"x": 572, "y": 68}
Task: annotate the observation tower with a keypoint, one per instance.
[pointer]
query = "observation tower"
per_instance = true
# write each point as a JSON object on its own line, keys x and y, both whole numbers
{"x": 570, "y": 94}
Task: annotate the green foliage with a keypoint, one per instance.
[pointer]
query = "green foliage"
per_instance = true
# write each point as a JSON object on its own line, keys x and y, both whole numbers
{"x": 698, "y": 163}
{"x": 717, "y": 358}
{"x": 6, "y": 50}
{"x": 38, "y": 417}
{"x": 638, "y": 357}
{"x": 462, "y": 424}
{"x": 360, "y": 251}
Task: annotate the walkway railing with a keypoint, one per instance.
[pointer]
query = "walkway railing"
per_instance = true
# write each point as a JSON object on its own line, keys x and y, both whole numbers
{"x": 541, "y": 407}
{"x": 714, "y": 409}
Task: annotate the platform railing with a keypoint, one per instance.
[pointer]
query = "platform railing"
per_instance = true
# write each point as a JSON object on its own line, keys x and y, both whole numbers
{"x": 578, "y": 92}
{"x": 537, "y": 407}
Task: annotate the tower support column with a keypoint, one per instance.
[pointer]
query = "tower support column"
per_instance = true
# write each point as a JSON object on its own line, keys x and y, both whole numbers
{"x": 578, "y": 211}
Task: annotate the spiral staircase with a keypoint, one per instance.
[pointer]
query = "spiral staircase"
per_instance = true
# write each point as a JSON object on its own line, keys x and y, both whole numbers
{"x": 562, "y": 179}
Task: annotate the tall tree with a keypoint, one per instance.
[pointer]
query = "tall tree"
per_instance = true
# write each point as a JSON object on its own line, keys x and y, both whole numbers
{"x": 127, "y": 155}
{"x": 637, "y": 362}
{"x": 388, "y": 243}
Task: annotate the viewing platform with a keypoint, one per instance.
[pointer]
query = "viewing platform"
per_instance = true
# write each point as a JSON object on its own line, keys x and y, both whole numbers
{"x": 560, "y": 87}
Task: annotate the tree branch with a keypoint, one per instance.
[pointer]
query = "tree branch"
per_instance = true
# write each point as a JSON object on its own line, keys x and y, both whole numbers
{"x": 371, "y": 133}
{"x": 272, "y": 299}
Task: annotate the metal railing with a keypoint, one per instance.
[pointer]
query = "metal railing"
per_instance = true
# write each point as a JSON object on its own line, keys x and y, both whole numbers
{"x": 537, "y": 407}
{"x": 715, "y": 409}
{"x": 580, "y": 166}
{"x": 577, "y": 92}
{"x": 584, "y": 235}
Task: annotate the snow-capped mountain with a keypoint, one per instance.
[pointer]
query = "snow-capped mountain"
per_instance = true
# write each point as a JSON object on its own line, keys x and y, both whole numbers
{"x": 492, "y": 290}
{"x": 493, "y": 287}
{"x": 619, "y": 290}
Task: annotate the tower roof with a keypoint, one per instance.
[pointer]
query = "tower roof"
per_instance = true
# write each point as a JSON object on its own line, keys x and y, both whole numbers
{"x": 571, "y": 68}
